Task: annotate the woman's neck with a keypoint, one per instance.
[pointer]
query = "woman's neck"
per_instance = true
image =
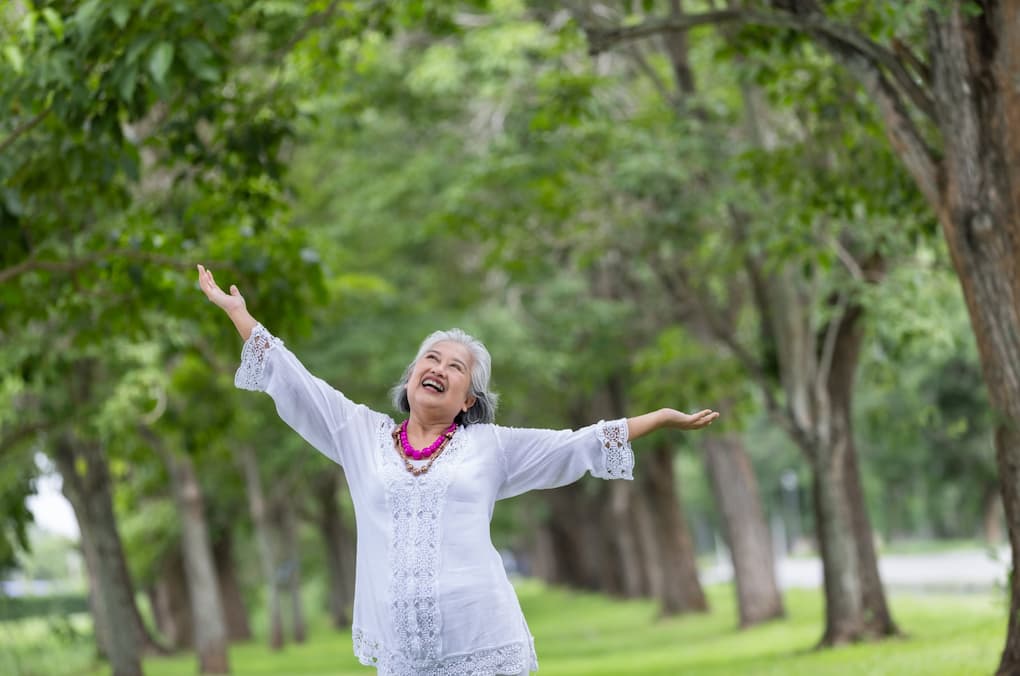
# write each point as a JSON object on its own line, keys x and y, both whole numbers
{"x": 422, "y": 430}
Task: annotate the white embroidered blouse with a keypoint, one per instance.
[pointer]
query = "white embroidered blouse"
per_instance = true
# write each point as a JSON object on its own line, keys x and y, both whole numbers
{"x": 431, "y": 595}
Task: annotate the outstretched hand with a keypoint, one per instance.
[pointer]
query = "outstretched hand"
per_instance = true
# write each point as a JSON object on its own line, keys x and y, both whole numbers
{"x": 228, "y": 302}
{"x": 688, "y": 421}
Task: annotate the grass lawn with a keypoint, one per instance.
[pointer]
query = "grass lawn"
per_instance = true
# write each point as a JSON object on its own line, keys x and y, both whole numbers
{"x": 590, "y": 635}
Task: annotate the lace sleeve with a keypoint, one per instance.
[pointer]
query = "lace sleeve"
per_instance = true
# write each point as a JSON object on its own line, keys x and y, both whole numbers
{"x": 617, "y": 455}
{"x": 250, "y": 373}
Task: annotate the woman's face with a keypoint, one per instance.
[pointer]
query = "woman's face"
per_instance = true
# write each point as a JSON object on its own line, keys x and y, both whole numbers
{"x": 440, "y": 381}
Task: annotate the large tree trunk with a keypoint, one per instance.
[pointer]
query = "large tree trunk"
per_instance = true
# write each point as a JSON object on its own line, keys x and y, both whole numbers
{"x": 975, "y": 61}
{"x": 264, "y": 541}
{"x": 646, "y": 526}
{"x": 338, "y": 539}
{"x": 681, "y": 590}
{"x": 203, "y": 586}
{"x": 86, "y": 483}
{"x": 286, "y": 527}
{"x": 842, "y": 375}
{"x": 625, "y": 544}
{"x": 171, "y": 604}
{"x": 747, "y": 535}
{"x": 580, "y": 554}
{"x": 96, "y": 607}
{"x": 578, "y": 545}
{"x": 235, "y": 611}
{"x": 844, "y": 608}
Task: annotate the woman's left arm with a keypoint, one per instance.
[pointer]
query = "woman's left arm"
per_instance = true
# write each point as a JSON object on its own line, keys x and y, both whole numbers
{"x": 641, "y": 425}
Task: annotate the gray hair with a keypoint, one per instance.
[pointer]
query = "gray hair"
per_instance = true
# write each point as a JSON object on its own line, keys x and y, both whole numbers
{"x": 484, "y": 408}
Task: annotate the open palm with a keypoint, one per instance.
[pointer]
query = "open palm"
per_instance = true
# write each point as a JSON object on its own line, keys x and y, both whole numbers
{"x": 690, "y": 421}
{"x": 228, "y": 302}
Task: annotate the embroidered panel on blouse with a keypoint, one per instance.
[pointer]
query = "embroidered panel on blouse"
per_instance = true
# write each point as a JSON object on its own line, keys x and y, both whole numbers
{"x": 617, "y": 455}
{"x": 253, "y": 359}
{"x": 416, "y": 506}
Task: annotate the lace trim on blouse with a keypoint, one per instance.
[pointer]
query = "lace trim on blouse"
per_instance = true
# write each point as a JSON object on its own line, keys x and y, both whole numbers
{"x": 416, "y": 505}
{"x": 253, "y": 359}
{"x": 617, "y": 455}
{"x": 512, "y": 658}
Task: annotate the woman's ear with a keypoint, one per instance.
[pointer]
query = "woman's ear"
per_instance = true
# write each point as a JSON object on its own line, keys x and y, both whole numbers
{"x": 468, "y": 403}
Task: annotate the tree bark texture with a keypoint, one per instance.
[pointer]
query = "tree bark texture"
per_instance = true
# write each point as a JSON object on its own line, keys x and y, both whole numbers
{"x": 844, "y": 609}
{"x": 743, "y": 521}
{"x": 171, "y": 603}
{"x": 846, "y": 357}
{"x": 235, "y": 610}
{"x": 975, "y": 60}
{"x": 264, "y": 541}
{"x": 96, "y": 608}
{"x": 86, "y": 483}
{"x": 338, "y": 539}
{"x": 991, "y": 518}
{"x": 623, "y": 539}
{"x": 578, "y": 546}
{"x": 677, "y": 560}
{"x": 203, "y": 586}
{"x": 290, "y": 566}
{"x": 646, "y": 526}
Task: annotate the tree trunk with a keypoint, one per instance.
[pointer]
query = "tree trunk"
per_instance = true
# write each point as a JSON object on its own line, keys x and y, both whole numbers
{"x": 844, "y": 612}
{"x": 991, "y": 517}
{"x": 646, "y": 526}
{"x": 86, "y": 483}
{"x": 203, "y": 586}
{"x": 235, "y": 611}
{"x": 625, "y": 546}
{"x": 287, "y": 526}
{"x": 736, "y": 494}
{"x": 578, "y": 547}
{"x": 264, "y": 542}
{"x": 975, "y": 59}
{"x": 338, "y": 538}
{"x": 681, "y": 591}
{"x": 171, "y": 604}
{"x": 842, "y": 375}
{"x": 96, "y": 607}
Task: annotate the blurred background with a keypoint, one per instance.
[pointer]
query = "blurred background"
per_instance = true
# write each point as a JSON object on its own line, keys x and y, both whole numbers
{"x": 705, "y": 218}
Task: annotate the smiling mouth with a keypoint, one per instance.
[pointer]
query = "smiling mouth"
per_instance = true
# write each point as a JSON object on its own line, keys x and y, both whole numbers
{"x": 433, "y": 384}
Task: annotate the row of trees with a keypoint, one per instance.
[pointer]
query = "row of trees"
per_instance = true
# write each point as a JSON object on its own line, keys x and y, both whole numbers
{"x": 681, "y": 217}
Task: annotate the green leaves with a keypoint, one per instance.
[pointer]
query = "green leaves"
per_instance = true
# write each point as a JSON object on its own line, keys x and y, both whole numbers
{"x": 160, "y": 58}
{"x": 54, "y": 21}
{"x": 14, "y": 57}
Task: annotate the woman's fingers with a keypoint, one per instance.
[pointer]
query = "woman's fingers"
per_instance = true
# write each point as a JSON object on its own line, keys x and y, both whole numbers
{"x": 704, "y": 417}
{"x": 207, "y": 282}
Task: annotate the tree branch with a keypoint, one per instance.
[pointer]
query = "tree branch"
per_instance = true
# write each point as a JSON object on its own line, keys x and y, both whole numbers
{"x": 683, "y": 290}
{"x": 24, "y": 128}
{"x": 73, "y": 264}
{"x": 866, "y": 60}
{"x": 10, "y": 440}
{"x": 634, "y": 52}
{"x": 311, "y": 23}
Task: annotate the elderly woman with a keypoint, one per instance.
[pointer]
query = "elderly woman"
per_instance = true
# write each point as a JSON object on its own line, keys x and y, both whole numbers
{"x": 431, "y": 594}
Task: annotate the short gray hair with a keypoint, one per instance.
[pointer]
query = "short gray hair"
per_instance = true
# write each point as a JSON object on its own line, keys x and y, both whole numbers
{"x": 484, "y": 408}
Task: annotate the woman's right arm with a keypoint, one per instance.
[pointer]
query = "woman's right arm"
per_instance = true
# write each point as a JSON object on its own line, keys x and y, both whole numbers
{"x": 309, "y": 405}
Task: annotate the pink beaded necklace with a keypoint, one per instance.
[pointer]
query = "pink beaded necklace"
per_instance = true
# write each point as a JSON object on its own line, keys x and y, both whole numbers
{"x": 411, "y": 452}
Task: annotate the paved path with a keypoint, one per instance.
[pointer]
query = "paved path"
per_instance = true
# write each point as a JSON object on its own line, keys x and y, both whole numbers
{"x": 959, "y": 571}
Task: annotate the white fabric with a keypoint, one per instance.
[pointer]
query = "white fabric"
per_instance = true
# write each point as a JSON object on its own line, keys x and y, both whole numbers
{"x": 431, "y": 595}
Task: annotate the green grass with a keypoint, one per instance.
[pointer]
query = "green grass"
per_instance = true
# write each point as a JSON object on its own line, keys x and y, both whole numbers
{"x": 590, "y": 635}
